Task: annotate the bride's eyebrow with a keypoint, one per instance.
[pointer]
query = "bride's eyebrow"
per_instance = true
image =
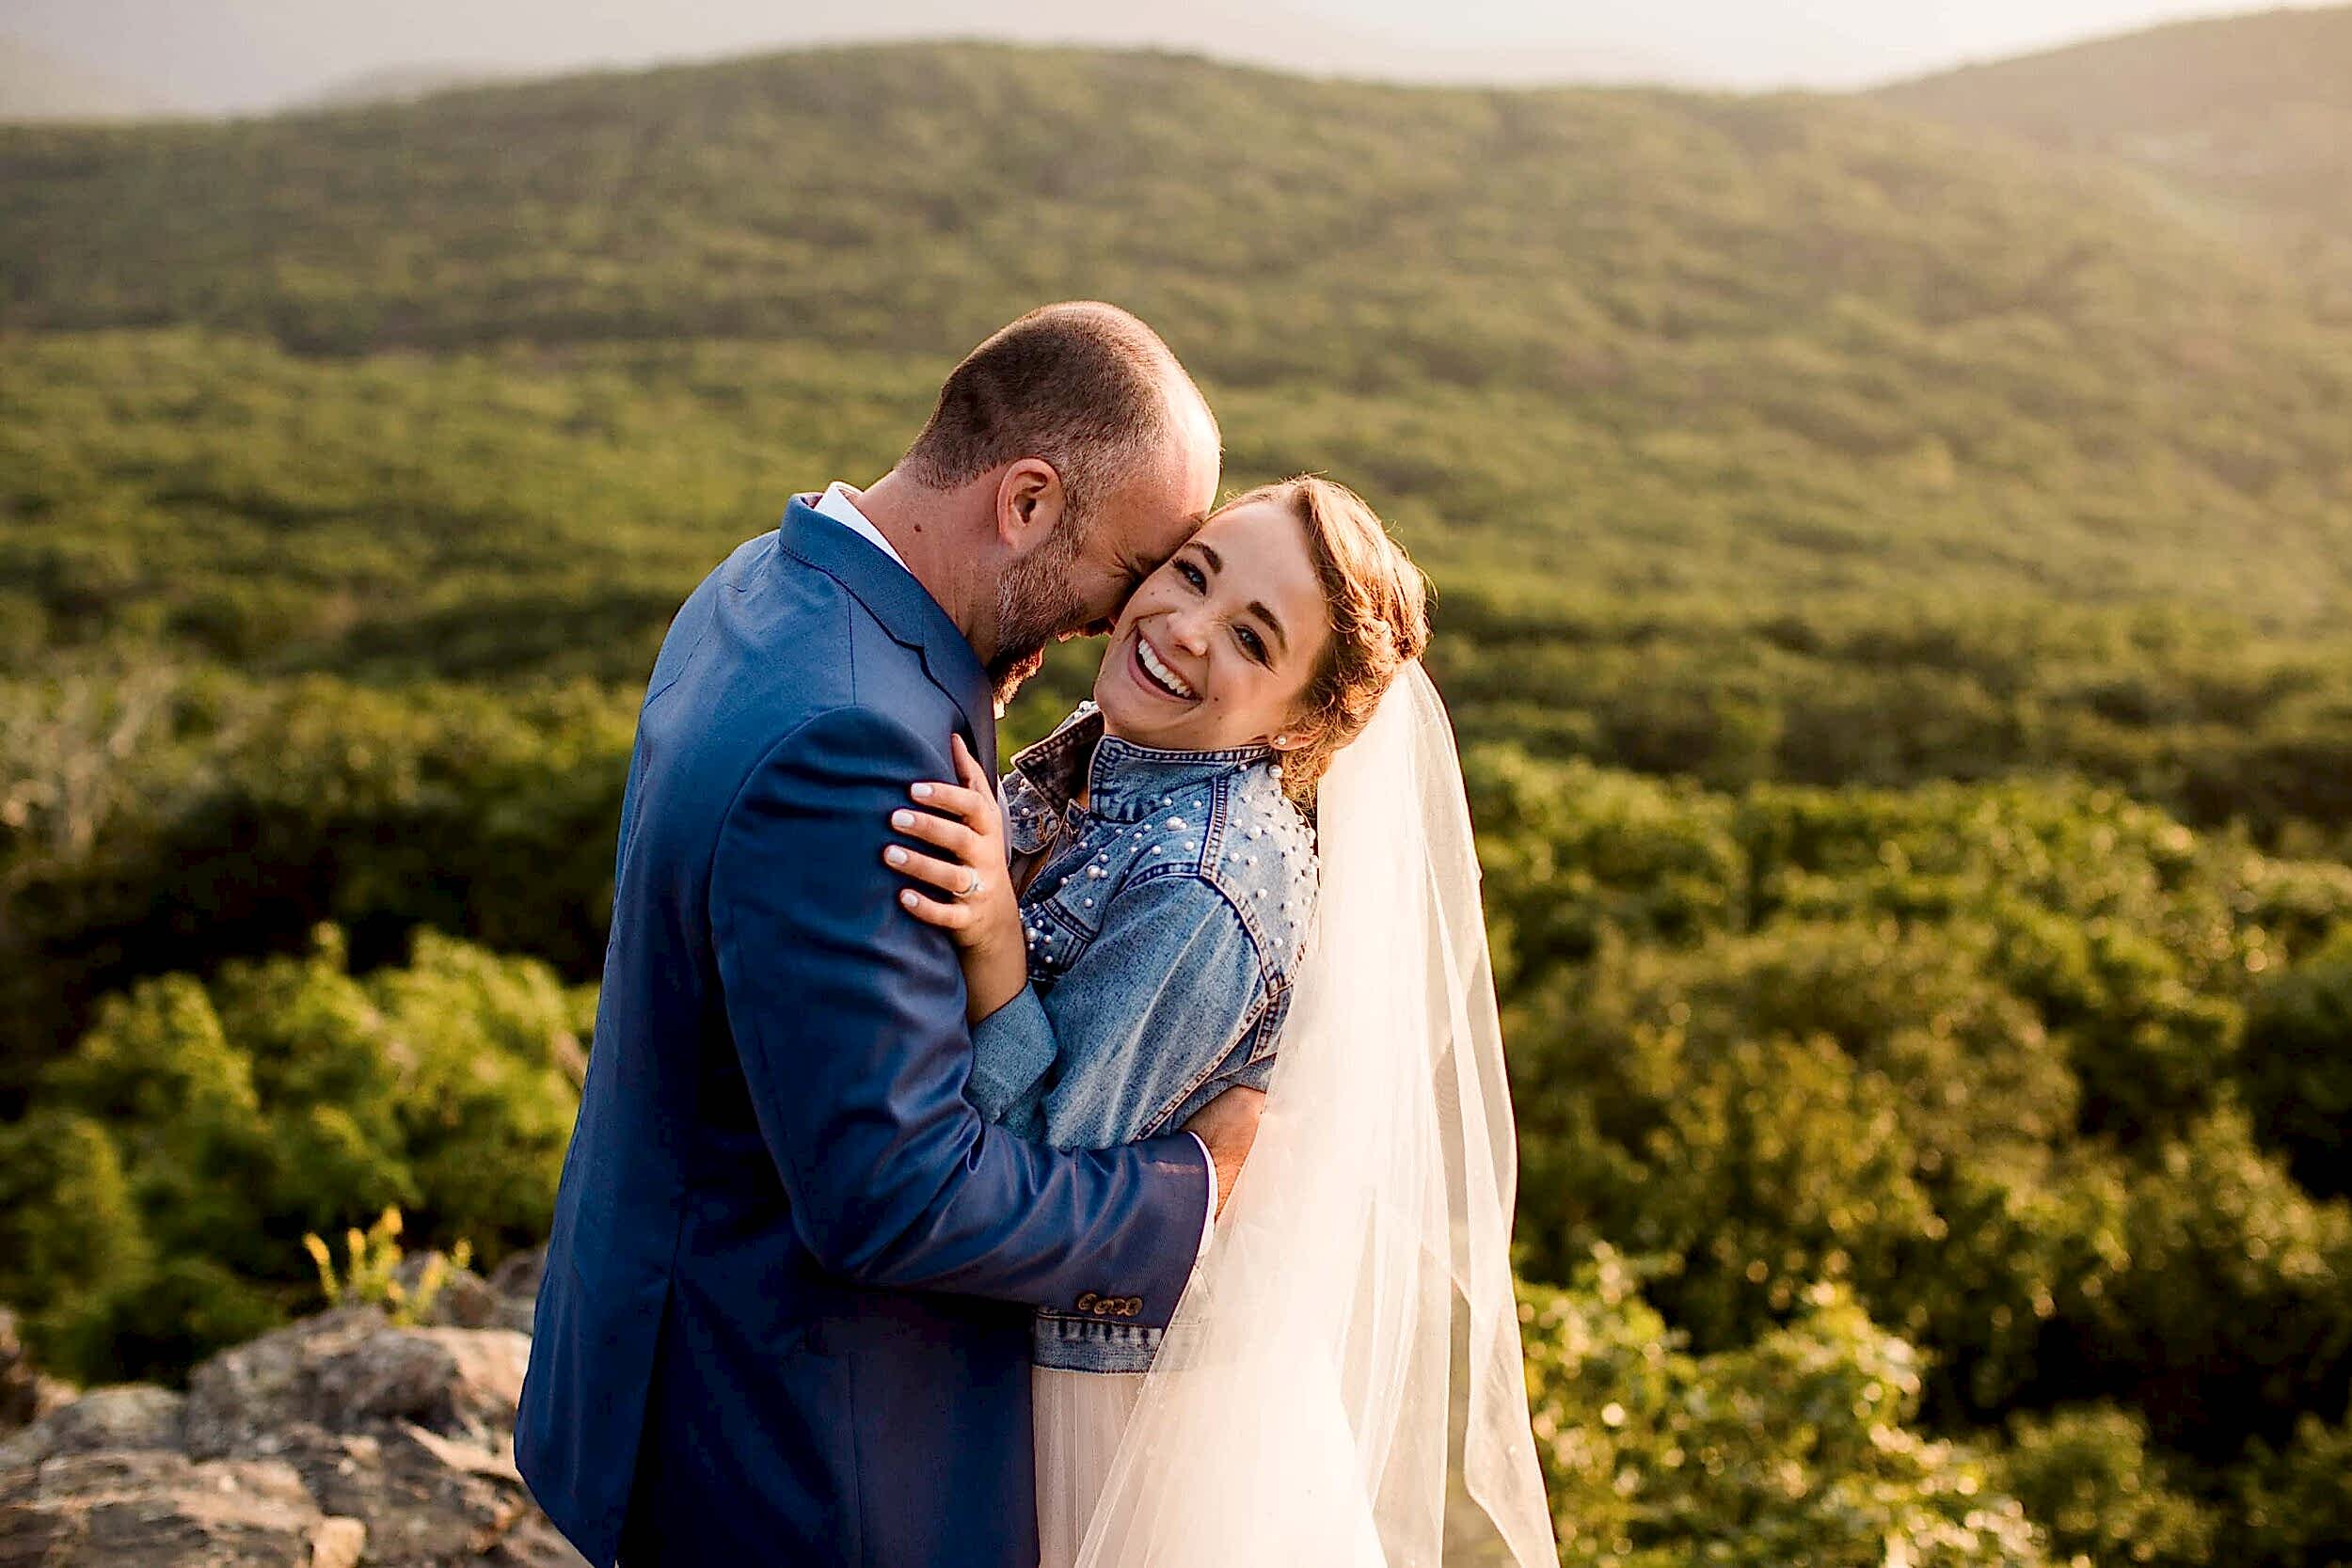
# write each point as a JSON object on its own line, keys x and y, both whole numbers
{"x": 1272, "y": 623}
{"x": 1256, "y": 607}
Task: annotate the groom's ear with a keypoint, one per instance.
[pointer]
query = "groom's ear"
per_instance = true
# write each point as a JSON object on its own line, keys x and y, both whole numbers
{"x": 1030, "y": 504}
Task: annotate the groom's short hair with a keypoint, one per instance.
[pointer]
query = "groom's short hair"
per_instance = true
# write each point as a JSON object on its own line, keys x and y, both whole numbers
{"x": 1083, "y": 386}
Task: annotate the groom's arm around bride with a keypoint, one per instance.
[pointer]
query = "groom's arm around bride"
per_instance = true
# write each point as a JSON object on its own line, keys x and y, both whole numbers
{"x": 785, "y": 1315}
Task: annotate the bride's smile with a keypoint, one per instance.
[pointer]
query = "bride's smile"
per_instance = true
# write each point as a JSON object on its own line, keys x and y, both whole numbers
{"x": 1157, "y": 674}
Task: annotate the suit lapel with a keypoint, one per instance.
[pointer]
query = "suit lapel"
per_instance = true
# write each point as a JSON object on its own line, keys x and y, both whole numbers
{"x": 905, "y": 611}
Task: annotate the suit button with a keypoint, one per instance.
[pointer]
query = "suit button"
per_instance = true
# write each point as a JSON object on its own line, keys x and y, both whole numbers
{"x": 1135, "y": 1306}
{"x": 1085, "y": 1303}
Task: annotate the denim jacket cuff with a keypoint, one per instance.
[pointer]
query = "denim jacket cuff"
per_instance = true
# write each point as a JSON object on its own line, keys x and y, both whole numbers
{"x": 1011, "y": 1047}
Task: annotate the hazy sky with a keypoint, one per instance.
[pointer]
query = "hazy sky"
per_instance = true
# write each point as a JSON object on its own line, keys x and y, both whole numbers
{"x": 235, "y": 54}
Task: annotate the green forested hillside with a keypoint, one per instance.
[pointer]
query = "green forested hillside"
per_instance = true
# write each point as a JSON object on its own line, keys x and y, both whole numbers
{"x": 2245, "y": 122}
{"x": 1892, "y": 589}
{"x": 1662, "y": 342}
{"x": 445, "y": 387}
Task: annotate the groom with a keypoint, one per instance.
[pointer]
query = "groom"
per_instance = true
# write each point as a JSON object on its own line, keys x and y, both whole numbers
{"x": 786, "y": 1308}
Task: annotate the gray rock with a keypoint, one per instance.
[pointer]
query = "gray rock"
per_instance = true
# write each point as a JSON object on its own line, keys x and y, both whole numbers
{"x": 26, "y": 1393}
{"x": 339, "y": 1543}
{"x": 156, "y": 1507}
{"x": 430, "y": 1500}
{"x": 535, "y": 1543}
{"x": 135, "y": 1415}
{"x": 338, "y": 1440}
{"x": 461, "y": 1298}
{"x": 516, "y": 1282}
{"x": 517, "y": 1277}
{"x": 343, "y": 1369}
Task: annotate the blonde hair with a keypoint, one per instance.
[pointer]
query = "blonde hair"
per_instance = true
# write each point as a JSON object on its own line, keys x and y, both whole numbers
{"x": 1379, "y": 602}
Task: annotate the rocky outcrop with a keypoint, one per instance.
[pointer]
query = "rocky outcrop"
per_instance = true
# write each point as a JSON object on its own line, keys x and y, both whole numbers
{"x": 25, "y": 1394}
{"x": 340, "y": 1441}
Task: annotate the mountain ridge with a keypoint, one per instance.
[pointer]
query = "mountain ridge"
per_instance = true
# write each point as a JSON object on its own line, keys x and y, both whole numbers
{"x": 1649, "y": 338}
{"x": 2244, "y": 121}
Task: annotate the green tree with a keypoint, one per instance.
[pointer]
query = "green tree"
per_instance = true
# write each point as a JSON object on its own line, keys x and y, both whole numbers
{"x": 159, "y": 1191}
{"x": 2296, "y": 1066}
{"x": 1794, "y": 1449}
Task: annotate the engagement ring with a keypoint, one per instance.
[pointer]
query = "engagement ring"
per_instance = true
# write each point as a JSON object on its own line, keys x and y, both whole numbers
{"x": 974, "y": 889}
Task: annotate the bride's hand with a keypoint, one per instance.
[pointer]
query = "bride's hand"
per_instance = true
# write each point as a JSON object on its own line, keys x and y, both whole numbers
{"x": 972, "y": 898}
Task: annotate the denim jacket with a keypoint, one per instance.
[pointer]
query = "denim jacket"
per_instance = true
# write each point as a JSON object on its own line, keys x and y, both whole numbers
{"x": 1165, "y": 919}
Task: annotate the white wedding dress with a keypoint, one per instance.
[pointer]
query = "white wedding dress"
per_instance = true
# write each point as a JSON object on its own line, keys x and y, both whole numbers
{"x": 1341, "y": 1384}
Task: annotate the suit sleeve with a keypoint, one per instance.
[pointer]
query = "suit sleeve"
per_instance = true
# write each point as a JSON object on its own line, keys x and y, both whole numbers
{"x": 848, "y": 1015}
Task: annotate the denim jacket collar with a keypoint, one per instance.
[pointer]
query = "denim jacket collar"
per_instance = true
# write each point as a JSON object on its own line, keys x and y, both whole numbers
{"x": 1124, "y": 782}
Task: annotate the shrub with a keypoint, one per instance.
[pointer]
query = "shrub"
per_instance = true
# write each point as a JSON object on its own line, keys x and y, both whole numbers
{"x": 174, "y": 820}
{"x": 1793, "y": 1450}
{"x": 2296, "y": 1065}
{"x": 159, "y": 1190}
{"x": 2089, "y": 1479}
{"x": 2298, "y": 1497}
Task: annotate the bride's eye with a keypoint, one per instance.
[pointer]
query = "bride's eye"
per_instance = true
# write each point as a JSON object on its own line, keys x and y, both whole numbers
{"x": 1193, "y": 575}
{"x": 1251, "y": 643}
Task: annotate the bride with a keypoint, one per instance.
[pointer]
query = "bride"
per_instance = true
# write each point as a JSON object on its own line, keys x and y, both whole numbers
{"x": 1247, "y": 862}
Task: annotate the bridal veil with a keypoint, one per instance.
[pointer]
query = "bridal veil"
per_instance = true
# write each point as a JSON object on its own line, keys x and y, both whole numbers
{"x": 1342, "y": 1383}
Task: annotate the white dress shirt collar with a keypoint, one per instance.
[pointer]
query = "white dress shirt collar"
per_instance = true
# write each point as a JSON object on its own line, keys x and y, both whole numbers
{"x": 835, "y": 503}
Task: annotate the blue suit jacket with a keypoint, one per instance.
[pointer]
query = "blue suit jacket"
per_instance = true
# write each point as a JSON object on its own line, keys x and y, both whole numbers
{"x": 786, "y": 1311}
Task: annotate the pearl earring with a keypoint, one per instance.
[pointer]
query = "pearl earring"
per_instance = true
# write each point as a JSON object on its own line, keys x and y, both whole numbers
{"x": 1281, "y": 740}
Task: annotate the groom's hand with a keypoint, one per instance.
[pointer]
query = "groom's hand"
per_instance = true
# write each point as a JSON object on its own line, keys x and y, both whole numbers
{"x": 1227, "y": 1125}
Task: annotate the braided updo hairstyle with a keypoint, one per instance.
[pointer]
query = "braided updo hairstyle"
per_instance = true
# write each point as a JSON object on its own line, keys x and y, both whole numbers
{"x": 1379, "y": 602}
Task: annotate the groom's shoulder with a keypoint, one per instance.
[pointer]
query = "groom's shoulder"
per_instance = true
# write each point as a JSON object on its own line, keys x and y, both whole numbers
{"x": 802, "y": 627}
{"x": 774, "y": 664}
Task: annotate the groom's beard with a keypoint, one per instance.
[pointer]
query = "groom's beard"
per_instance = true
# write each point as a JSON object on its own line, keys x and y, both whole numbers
{"x": 1007, "y": 676}
{"x": 1034, "y": 606}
